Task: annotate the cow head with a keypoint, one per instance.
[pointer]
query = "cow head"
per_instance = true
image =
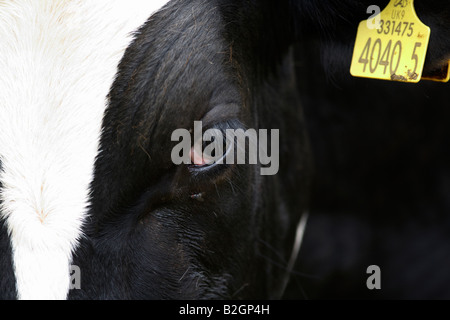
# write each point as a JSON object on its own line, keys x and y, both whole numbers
{"x": 91, "y": 94}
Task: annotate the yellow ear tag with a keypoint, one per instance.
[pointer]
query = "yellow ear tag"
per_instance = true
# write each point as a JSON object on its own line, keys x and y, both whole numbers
{"x": 391, "y": 45}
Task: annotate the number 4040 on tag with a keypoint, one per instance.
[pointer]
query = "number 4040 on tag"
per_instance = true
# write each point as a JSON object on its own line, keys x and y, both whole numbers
{"x": 395, "y": 49}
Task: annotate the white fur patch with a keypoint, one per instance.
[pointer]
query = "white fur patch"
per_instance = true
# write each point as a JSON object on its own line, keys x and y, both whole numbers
{"x": 58, "y": 60}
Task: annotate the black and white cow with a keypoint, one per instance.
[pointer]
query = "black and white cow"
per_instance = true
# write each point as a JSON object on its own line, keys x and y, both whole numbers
{"x": 91, "y": 92}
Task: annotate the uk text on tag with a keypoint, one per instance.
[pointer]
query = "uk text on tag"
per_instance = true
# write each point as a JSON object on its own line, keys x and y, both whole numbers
{"x": 392, "y": 45}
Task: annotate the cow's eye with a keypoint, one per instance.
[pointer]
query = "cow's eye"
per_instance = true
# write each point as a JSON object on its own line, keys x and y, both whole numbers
{"x": 214, "y": 148}
{"x": 212, "y": 151}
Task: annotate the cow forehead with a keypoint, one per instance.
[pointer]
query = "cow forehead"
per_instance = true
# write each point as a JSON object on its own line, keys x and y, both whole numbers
{"x": 58, "y": 60}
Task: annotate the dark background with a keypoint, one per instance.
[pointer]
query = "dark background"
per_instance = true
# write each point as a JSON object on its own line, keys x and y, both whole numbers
{"x": 381, "y": 190}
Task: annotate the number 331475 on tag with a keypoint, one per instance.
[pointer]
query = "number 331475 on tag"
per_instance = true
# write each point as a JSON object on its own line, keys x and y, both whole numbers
{"x": 396, "y": 49}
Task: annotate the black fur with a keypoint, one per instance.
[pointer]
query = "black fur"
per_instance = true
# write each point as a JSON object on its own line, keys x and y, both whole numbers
{"x": 7, "y": 279}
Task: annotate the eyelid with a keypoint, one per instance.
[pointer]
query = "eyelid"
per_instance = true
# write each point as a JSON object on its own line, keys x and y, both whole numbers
{"x": 220, "y": 114}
